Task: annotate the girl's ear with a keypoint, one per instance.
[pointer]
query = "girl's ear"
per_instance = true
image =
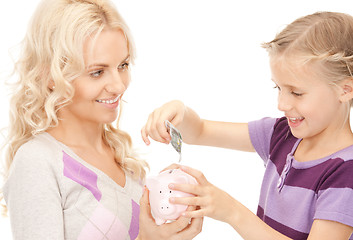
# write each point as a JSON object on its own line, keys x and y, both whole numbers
{"x": 346, "y": 90}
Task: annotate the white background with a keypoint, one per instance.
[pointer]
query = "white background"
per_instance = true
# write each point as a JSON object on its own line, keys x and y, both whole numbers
{"x": 205, "y": 53}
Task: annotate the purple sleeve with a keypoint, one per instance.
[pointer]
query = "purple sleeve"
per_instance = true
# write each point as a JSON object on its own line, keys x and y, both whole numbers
{"x": 260, "y": 132}
{"x": 335, "y": 196}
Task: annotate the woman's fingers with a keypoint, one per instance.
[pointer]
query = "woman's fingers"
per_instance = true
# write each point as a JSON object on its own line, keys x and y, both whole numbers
{"x": 193, "y": 229}
{"x": 145, "y": 208}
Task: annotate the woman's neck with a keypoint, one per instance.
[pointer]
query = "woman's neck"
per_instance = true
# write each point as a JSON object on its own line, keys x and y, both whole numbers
{"x": 78, "y": 135}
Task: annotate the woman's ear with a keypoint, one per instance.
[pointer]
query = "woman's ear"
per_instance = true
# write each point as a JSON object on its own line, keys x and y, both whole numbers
{"x": 51, "y": 85}
{"x": 346, "y": 90}
{"x": 45, "y": 75}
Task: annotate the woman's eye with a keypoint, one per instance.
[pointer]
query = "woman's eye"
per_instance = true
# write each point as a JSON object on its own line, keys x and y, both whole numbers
{"x": 96, "y": 74}
{"x": 123, "y": 66}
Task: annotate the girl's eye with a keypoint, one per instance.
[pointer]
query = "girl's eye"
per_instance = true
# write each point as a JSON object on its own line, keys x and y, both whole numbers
{"x": 279, "y": 89}
{"x": 96, "y": 74}
{"x": 297, "y": 94}
{"x": 123, "y": 67}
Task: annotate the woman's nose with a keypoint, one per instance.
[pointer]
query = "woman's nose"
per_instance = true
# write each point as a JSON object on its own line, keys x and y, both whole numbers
{"x": 118, "y": 83}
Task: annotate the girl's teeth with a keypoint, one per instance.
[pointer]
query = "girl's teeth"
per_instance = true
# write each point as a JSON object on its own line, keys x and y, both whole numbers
{"x": 295, "y": 119}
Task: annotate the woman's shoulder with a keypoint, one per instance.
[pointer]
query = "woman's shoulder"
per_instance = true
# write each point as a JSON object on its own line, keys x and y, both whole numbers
{"x": 35, "y": 162}
{"x": 40, "y": 147}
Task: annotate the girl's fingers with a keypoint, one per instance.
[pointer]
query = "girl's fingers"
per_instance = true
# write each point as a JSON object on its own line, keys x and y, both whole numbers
{"x": 145, "y": 136}
{"x": 155, "y": 129}
{"x": 194, "y": 214}
{"x": 187, "y": 188}
{"x": 189, "y": 201}
{"x": 201, "y": 179}
{"x": 173, "y": 166}
{"x": 162, "y": 130}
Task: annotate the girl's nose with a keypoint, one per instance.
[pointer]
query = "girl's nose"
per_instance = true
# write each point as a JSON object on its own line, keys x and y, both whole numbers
{"x": 284, "y": 103}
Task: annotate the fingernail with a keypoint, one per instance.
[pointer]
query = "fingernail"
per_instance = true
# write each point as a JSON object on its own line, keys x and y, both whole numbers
{"x": 171, "y": 185}
{"x": 171, "y": 200}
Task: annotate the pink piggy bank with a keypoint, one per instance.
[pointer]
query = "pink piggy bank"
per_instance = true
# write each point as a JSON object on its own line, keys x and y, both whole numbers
{"x": 162, "y": 210}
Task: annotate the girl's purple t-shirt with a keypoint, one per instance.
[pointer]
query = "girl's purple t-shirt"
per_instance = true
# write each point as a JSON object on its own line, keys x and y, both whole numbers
{"x": 293, "y": 193}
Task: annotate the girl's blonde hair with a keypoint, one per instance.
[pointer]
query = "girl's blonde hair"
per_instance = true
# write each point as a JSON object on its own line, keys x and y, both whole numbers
{"x": 52, "y": 52}
{"x": 323, "y": 38}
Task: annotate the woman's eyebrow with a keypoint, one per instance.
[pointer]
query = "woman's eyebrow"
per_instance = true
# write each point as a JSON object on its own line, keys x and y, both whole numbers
{"x": 106, "y": 65}
{"x": 97, "y": 65}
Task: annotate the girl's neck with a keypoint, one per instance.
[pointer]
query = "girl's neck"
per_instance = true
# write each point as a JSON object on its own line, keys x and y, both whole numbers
{"x": 322, "y": 146}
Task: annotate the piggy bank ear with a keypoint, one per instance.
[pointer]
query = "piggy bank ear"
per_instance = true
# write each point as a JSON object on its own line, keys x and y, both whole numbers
{"x": 151, "y": 182}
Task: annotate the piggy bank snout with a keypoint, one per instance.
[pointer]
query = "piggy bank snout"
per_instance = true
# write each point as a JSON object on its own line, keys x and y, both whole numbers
{"x": 161, "y": 209}
{"x": 165, "y": 208}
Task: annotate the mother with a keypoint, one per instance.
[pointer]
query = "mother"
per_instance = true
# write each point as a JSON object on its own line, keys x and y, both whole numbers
{"x": 70, "y": 173}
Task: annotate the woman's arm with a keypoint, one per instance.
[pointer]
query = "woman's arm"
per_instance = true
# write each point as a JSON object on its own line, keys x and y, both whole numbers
{"x": 33, "y": 197}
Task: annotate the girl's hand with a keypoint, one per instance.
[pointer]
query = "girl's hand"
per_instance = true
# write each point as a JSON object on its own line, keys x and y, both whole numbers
{"x": 173, "y": 112}
{"x": 183, "y": 228}
{"x": 212, "y": 201}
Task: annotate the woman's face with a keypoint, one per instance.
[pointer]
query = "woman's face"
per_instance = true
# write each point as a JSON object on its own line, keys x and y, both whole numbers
{"x": 99, "y": 89}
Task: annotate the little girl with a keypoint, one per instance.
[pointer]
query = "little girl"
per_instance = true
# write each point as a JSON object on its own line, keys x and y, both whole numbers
{"x": 307, "y": 190}
{"x": 72, "y": 174}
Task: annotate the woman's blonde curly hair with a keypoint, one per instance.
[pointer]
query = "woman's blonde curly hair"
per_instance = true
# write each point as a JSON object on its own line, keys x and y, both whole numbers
{"x": 52, "y": 51}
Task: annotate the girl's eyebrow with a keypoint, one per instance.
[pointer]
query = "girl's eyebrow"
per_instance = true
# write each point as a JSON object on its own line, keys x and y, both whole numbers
{"x": 106, "y": 65}
{"x": 287, "y": 85}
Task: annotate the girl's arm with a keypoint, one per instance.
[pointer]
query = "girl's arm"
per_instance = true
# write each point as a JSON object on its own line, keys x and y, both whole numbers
{"x": 225, "y": 135}
{"x": 195, "y": 130}
{"x": 328, "y": 230}
{"x": 217, "y": 204}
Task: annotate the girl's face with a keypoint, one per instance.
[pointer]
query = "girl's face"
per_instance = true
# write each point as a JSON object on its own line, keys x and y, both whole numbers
{"x": 312, "y": 106}
{"x": 99, "y": 89}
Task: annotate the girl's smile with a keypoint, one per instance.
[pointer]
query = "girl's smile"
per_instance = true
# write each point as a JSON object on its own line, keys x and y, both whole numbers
{"x": 311, "y": 105}
{"x": 295, "y": 122}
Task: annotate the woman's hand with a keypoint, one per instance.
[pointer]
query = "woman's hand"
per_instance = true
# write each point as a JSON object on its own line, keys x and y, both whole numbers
{"x": 212, "y": 201}
{"x": 182, "y": 229}
{"x": 173, "y": 111}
